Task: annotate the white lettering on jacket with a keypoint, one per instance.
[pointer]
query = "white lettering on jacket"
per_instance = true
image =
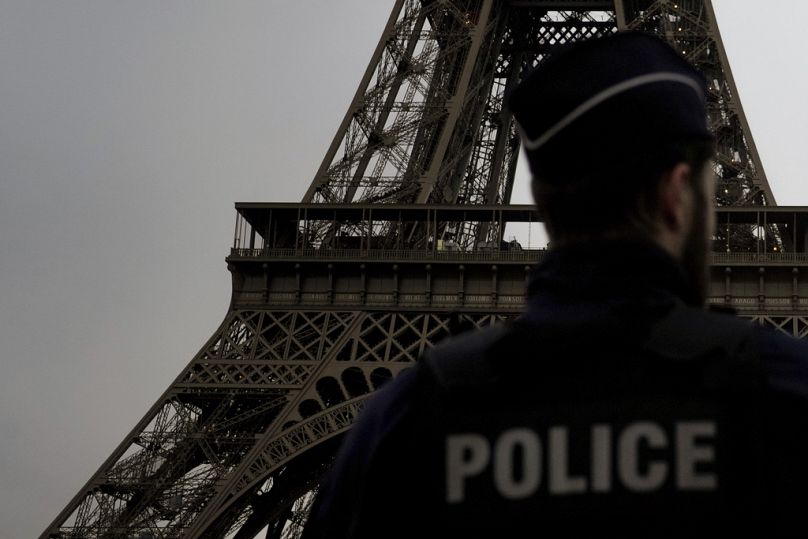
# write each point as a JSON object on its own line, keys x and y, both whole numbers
{"x": 519, "y": 462}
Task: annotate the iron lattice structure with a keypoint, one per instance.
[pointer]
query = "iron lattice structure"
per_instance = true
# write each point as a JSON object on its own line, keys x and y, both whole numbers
{"x": 427, "y": 124}
{"x": 243, "y": 434}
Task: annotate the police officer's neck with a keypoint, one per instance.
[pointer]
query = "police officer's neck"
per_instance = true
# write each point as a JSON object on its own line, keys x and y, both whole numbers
{"x": 605, "y": 238}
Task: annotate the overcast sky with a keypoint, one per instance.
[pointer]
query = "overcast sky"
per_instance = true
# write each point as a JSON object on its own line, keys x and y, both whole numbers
{"x": 127, "y": 131}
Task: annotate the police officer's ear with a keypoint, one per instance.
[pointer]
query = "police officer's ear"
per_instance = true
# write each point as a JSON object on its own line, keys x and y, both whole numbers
{"x": 676, "y": 206}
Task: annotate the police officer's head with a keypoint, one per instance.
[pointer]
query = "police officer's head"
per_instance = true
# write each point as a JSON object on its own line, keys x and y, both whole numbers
{"x": 615, "y": 130}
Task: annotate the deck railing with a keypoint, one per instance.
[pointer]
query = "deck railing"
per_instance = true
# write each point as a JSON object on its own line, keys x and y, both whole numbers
{"x": 483, "y": 255}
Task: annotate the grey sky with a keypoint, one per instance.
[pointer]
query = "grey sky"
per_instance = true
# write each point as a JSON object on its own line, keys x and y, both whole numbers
{"x": 127, "y": 131}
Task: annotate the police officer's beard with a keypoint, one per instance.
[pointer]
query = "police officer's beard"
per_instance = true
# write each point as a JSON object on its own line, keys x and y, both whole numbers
{"x": 694, "y": 256}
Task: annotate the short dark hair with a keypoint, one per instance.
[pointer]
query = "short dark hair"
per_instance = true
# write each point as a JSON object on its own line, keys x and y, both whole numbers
{"x": 611, "y": 193}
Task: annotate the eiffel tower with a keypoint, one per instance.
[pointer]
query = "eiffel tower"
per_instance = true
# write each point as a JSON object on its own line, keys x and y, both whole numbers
{"x": 397, "y": 244}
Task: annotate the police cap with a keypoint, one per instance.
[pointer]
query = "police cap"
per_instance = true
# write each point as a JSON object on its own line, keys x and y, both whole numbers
{"x": 626, "y": 92}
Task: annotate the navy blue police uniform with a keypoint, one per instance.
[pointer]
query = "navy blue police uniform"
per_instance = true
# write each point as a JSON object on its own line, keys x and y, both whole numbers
{"x": 616, "y": 405}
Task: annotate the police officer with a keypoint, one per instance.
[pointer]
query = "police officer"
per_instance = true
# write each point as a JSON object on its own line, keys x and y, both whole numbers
{"x": 616, "y": 405}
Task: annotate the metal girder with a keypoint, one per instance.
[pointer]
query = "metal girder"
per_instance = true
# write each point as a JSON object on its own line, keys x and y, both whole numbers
{"x": 205, "y": 451}
{"x": 690, "y": 26}
{"x": 246, "y": 429}
{"x": 277, "y": 381}
{"x": 428, "y": 122}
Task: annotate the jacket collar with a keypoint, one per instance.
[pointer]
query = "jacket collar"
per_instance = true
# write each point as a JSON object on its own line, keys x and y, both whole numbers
{"x": 593, "y": 279}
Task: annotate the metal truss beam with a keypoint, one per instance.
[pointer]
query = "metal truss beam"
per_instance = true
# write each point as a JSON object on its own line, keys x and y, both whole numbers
{"x": 246, "y": 429}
